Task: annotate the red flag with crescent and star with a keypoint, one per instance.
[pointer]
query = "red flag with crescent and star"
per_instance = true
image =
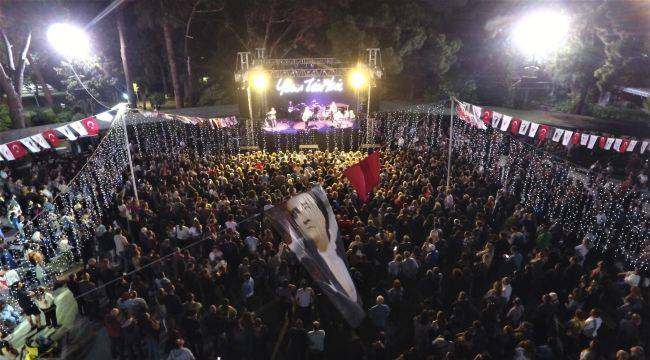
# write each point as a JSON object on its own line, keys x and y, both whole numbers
{"x": 575, "y": 138}
{"x": 624, "y": 145}
{"x": 543, "y": 131}
{"x": 487, "y": 116}
{"x": 91, "y": 125}
{"x": 514, "y": 125}
{"x": 51, "y": 136}
{"x": 602, "y": 141}
{"x": 17, "y": 149}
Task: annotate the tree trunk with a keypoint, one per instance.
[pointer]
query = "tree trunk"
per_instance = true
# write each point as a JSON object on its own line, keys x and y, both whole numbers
{"x": 584, "y": 91}
{"x": 15, "y": 109}
{"x": 125, "y": 62}
{"x": 189, "y": 89}
{"x": 163, "y": 75}
{"x": 169, "y": 46}
{"x": 11, "y": 80}
{"x": 41, "y": 81}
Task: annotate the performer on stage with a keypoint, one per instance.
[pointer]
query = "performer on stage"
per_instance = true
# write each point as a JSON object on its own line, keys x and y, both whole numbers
{"x": 306, "y": 116}
{"x": 271, "y": 119}
{"x": 338, "y": 118}
{"x": 333, "y": 107}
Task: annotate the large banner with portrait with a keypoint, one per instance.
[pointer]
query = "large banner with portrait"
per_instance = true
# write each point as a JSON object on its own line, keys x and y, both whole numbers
{"x": 308, "y": 226}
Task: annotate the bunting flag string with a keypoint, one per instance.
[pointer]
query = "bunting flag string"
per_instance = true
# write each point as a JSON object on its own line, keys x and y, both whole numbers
{"x": 90, "y": 126}
{"x": 475, "y": 115}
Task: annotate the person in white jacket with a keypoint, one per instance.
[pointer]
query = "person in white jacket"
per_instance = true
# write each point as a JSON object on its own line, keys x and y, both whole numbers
{"x": 592, "y": 324}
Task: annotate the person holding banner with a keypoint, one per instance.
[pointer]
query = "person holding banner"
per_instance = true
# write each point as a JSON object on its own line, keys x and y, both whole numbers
{"x": 307, "y": 223}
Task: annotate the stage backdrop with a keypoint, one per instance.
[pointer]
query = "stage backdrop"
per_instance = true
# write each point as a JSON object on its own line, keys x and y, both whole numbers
{"x": 301, "y": 90}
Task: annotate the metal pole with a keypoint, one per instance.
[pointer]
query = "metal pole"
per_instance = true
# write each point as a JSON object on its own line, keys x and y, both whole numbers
{"x": 249, "y": 132}
{"x": 451, "y": 133}
{"x": 369, "y": 127}
{"x": 128, "y": 154}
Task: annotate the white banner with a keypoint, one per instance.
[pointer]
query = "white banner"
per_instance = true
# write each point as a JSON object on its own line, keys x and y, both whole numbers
{"x": 557, "y": 135}
{"x": 505, "y": 122}
{"x": 608, "y": 143}
{"x": 567, "y": 137}
{"x": 584, "y": 139}
{"x": 41, "y": 141}
{"x": 617, "y": 144}
{"x": 79, "y": 128}
{"x": 632, "y": 145}
{"x": 66, "y": 132}
{"x": 592, "y": 141}
{"x": 533, "y": 129}
{"x": 523, "y": 128}
{"x": 30, "y": 144}
{"x": 6, "y": 153}
{"x": 496, "y": 119}
{"x": 644, "y": 145}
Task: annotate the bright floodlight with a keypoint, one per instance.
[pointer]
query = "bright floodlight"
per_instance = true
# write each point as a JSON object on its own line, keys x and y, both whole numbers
{"x": 69, "y": 40}
{"x": 259, "y": 80}
{"x": 540, "y": 33}
{"x": 358, "y": 78}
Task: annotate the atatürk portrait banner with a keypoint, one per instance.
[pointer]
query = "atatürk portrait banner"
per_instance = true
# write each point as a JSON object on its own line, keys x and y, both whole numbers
{"x": 308, "y": 226}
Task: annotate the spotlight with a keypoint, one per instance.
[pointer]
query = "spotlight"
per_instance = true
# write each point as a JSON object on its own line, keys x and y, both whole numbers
{"x": 69, "y": 40}
{"x": 358, "y": 78}
{"x": 259, "y": 80}
{"x": 540, "y": 33}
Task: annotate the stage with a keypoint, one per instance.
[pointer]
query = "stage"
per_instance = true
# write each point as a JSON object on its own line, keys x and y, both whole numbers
{"x": 290, "y": 126}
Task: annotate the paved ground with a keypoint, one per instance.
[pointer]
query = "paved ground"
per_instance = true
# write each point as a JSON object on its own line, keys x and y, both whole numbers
{"x": 66, "y": 312}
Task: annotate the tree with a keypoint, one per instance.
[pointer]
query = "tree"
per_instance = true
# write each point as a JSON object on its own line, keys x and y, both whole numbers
{"x": 161, "y": 15}
{"x": 12, "y": 72}
{"x": 97, "y": 82}
{"x": 189, "y": 76}
{"x": 121, "y": 30}
{"x": 279, "y": 26}
{"x": 582, "y": 55}
{"x": 626, "y": 46}
{"x": 40, "y": 80}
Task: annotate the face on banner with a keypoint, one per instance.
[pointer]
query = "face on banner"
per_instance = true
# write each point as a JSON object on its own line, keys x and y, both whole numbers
{"x": 307, "y": 224}
{"x": 309, "y": 219}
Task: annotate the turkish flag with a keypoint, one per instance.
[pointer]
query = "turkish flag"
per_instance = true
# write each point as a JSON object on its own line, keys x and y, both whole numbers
{"x": 370, "y": 166}
{"x": 624, "y": 144}
{"x": 542, "y": 132}
{"x": 487, "y": 116}
{"x": 514, "y": 126}
{"x": 355, "y": 176}
{"x": 91, "y": 125}
{"x": 17, "y": 149}
{"x": 602, "y": 141}
{"x": 51, "y": 136}
{"x": 364, "y": 176}
{"x": 259, "y": 166}
{"x": 575, "y": 138}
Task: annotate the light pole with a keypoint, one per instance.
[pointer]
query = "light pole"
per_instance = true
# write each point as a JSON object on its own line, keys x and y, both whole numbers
{"x": 537, "y": 35}
{"x": 358, "y": 79}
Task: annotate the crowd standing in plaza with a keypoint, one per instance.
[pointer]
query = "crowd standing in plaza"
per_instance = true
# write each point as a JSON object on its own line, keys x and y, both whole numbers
{"x": 192, "y": 270}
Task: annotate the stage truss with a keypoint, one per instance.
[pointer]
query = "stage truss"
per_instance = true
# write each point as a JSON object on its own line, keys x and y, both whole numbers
{"x": 303, "y": 68}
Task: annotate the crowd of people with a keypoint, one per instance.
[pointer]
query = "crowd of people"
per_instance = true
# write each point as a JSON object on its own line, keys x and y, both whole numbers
{"x": 192, "y": 270}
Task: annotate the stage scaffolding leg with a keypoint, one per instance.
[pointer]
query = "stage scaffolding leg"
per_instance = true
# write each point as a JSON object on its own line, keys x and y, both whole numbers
{"x": 451, "y": 137}
{"x": 370, "y": 123}
{"x": 250, "y": 126}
